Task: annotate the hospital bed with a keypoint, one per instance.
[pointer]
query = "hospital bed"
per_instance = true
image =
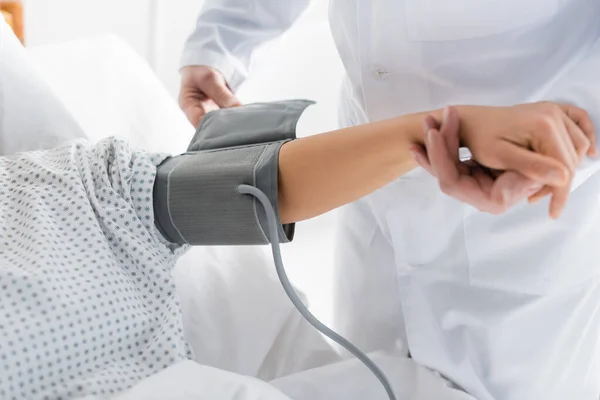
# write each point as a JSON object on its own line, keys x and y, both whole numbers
{"x": 236, "y": 317}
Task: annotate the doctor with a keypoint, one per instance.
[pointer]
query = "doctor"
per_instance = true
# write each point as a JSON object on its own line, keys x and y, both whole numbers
{"x": 504, "y": 306}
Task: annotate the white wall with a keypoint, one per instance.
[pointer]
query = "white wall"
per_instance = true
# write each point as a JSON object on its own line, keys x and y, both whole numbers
{"x": 303, "y": 64}
{"x": 157, "y": 29}
{"x": 52, "y": 21}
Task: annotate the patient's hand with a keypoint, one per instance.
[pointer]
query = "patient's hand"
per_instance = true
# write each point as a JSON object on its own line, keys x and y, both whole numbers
{"x": 520, "y": 138}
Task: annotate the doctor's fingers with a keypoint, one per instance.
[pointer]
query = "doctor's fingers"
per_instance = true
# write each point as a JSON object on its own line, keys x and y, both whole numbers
{"x": 441, "y": 147}
{"x": 213, "y": 84}
{"x": 419, "y": 153}
{"x": 560, "y": 194}
{"x": 206, "y": 81}
{"x": 220, "y": 93}
{"x": 540, "y": 168}
{"x": 422, "y": 158}
{"x": 543, "y": 192}
{"x": 454, "y": 178}
{"x": 196, "y": 106}
{"x": 444, "y": 148}
{"x": 472, "y": 186}
{"x": 579, "y": 139}
{"x": 576, "y": 145}
{"x": 450, "y": 128}
{"x": 581, "y": 117}
{"x": 558, "y": 201}
{"x": 443, "y": 162}
{"x": 510, "y": 188}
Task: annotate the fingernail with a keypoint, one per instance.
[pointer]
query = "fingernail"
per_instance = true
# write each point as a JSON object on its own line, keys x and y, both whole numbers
{"x": 445, "y": 115}
{"x": 413, "y": 154}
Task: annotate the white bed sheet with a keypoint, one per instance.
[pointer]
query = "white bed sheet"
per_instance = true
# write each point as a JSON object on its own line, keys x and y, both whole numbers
{"x": 191, "y": 381}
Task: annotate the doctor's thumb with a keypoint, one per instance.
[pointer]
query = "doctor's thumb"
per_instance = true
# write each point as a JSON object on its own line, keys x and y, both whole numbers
{"x": 219, "y": 92}
{"x": 194, "y": 115}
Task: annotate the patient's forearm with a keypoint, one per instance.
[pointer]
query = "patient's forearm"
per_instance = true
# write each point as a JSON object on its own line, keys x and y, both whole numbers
{"x": 196, "y": 194}
{"x": 323, "y": 172}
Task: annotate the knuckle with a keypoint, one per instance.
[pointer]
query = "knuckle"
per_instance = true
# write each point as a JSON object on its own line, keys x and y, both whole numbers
{"x": 210, "y": 75}
{"x": 583, "y": 147}
{"x": 545, "y": 122}
{"x": 547, "y": 107}
{"x": 553, "y": 109}
{"x": 576, "y": 111}
{"x": 535, "y": 167}
{"x": 446, "y": 188}
{"x": 581, "y": 114}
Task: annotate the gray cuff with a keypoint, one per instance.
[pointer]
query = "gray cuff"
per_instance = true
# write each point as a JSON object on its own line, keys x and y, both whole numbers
{"x": 249, "y": 124}
{"x": 196, "y": 199}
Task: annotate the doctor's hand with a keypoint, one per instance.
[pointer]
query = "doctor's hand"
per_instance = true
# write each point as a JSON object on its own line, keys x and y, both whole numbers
{"x": 527, "y": 139}
{"x": 203, "y": 89}
{"x": 543, "y": 142}
{"x": 488, "y": 191}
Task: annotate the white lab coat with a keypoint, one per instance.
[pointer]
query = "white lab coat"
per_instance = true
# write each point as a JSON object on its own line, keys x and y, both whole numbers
{"x": 507, "y": 307}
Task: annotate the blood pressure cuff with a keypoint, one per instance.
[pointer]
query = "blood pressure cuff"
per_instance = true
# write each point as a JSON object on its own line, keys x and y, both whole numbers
{"x": 196, "y": 200}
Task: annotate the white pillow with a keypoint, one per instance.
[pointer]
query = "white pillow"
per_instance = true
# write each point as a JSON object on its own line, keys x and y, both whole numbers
{"x": 31, "y": 115}
{"x": 112, "y": 91}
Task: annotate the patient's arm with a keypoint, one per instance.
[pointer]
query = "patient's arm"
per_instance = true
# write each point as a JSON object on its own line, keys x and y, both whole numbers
{"x": 322, "y": 172}
{"x": 196, "y": 198}
{"x": 326, "y": 171}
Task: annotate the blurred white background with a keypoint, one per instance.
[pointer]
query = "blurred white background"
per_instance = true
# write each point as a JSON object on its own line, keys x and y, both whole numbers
{"x": 302, "y": 64}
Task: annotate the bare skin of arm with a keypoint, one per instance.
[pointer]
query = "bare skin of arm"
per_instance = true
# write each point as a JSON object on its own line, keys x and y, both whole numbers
{"x": 325, "y": 171}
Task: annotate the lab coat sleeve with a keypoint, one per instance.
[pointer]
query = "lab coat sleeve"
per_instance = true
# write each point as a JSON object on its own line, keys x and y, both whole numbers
{"x": 228, "y": 31}
{"x": 580, "y": 86}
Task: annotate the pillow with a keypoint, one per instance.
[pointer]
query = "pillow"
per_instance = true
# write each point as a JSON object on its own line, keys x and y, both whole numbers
{"x": 112, "y": 91}
{"x": 31, "y": 116}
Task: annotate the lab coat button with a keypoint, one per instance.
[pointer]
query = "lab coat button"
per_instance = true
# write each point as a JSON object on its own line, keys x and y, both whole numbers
{"x": 380, "y": 73}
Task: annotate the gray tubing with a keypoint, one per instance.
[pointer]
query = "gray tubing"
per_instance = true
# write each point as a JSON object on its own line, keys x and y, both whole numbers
{"x": 289, "y": 290}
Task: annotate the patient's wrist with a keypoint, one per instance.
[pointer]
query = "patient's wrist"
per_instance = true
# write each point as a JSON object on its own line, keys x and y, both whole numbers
{"x": 412, "y": 126}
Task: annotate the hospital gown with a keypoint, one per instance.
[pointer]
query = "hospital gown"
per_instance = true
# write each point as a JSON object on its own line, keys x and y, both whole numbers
{"x": 87, "y": 304}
